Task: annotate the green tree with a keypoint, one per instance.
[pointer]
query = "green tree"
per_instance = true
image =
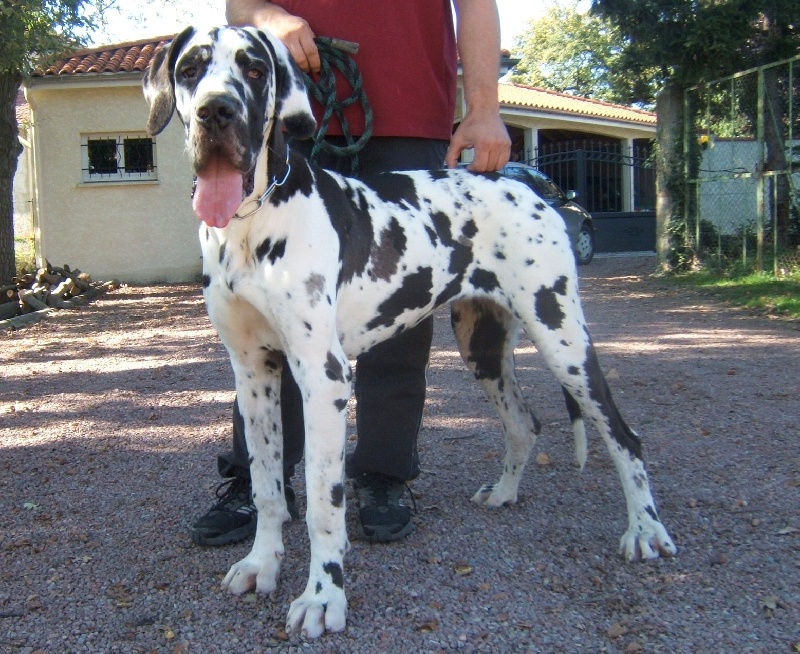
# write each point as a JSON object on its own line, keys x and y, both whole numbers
{"x": 687, "y": 42}
{"x": 30, "y": 31}
{"x": 577, "y": 53}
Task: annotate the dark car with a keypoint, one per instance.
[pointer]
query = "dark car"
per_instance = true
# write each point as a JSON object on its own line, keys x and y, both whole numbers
{"x": 580, "y": 225}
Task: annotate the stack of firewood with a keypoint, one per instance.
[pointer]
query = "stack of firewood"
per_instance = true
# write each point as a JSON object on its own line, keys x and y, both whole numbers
{"x": 50, "y": 286}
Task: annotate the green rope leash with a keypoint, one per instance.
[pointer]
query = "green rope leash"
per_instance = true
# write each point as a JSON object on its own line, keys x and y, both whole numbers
{"x": 336, "y": 53}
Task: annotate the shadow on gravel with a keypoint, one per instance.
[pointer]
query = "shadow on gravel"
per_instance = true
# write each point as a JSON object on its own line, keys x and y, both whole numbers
{"x": 111, "y": 418}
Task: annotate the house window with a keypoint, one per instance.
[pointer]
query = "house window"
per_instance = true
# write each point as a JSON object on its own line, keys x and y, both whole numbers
{"x": 117, "y": 158}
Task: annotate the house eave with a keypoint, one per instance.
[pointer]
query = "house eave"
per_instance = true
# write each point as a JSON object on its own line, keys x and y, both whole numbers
{"x": 529, "y": 113}
{"x": 85, "y": 80}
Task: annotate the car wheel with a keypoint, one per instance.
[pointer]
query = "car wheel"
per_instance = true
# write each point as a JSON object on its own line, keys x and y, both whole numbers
{"x": 584, "y": 246}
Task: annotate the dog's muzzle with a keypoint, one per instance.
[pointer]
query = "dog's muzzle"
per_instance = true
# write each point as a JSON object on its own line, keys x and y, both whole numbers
{"x": 216, "y": 150}
{"x": 216, "y": 112}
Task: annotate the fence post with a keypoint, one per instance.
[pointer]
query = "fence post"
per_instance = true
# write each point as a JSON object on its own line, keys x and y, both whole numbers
{"x": 580, "y": 176}
{"x": 697, "y": 217}
{"x": 775, "y": 225}
{"x": 760, "y": 190}
{"x": 686, "y": 137}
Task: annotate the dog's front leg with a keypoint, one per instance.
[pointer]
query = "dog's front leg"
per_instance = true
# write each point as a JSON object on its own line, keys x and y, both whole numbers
{"x": 326, "y": 389}
{"x": 257, "y": 374}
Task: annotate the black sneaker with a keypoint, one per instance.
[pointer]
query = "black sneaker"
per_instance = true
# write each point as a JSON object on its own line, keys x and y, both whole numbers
{"x": 383, "y": 516}
{"x": 231, "y": 519}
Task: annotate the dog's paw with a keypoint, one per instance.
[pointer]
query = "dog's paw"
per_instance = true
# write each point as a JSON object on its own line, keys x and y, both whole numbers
{"x": 495, "y": 495}
{"x": 253, "y": 573}
{"x": 318, "y": 611}
{"x": 647, "y": 540}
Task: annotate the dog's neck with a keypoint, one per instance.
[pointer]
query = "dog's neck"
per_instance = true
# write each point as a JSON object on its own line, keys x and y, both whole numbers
{"x": 270, "y": 172}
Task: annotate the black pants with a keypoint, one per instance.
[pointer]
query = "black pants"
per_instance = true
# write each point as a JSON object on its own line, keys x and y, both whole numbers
{"x": 390, "y": 378}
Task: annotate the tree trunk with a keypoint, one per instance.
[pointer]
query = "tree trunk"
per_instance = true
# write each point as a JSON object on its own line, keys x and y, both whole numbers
{"x": 774, "y": 140}
{"x": 10, "y": 149}
{"x": 669, "y": 172}
{"x": 776, "y": 90}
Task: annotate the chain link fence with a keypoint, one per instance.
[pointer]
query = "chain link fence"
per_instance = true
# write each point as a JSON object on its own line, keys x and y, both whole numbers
{"x": 742, "y": 139}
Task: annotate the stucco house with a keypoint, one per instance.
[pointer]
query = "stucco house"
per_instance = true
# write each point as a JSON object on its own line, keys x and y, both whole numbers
{"x": 112, "y": 201}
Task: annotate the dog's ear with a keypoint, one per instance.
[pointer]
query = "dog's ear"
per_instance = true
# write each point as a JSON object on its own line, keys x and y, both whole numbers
{"x": 158, "y": 83}
{"x": 292, "y": 105}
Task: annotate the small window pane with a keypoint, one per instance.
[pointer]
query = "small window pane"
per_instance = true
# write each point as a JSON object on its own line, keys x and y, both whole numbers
{"x": 138, "y": 155}
{"x": 102, "y": 156}
{"x": 546, "y": 189}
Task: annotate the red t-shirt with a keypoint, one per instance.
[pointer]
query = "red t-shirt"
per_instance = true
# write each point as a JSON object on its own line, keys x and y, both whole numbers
{"x": 407, "y": 57}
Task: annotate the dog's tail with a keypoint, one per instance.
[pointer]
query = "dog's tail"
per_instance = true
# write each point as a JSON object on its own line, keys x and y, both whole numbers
{"x": 578, "y": 429}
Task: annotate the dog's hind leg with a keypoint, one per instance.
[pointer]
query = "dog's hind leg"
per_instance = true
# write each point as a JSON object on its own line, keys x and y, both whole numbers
{"x": 486, "y": 335}
{"x": 555, "y": 323}
{"x": 646, "y": 537}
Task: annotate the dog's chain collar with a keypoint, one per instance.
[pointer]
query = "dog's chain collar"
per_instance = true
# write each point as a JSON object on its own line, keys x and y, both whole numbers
{"x": 259, "y": 201}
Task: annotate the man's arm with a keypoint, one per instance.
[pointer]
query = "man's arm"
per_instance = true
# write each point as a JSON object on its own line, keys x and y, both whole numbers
{"x": 292, "y": 30}
{"x": 481, "y": 128}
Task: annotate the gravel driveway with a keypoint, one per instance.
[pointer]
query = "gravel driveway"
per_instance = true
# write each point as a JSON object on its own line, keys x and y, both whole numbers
{"x": 111, "y": 417}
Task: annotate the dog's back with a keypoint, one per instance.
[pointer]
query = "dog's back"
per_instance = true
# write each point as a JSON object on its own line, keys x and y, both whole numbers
{"x": 411, "y": 242}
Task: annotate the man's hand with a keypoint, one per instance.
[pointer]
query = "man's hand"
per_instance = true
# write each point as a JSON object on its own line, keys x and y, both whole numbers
{"x": 481, "y": 128}
{"x": 298, "y": 38}
{"x": 487, "y": 135}
{"x": 293, "y": 31}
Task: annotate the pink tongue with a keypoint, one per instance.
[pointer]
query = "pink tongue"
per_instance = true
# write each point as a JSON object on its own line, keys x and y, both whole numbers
{"x": 218, "y": 193}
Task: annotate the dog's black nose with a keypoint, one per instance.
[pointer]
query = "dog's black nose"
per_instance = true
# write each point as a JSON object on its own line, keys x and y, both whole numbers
{"x": 216, "y": 110}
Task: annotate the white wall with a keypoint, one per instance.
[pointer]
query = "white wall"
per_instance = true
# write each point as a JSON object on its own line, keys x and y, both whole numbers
{"x": 727, "y": 202}
{"x": 23, "y": 213}
{"x": 138, "y": 232}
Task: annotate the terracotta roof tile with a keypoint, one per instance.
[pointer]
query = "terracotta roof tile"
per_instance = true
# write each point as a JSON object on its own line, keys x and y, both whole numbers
{"x": 554, "y": 102}
{"x": 127, "y": 57}
{"x": 22, "y": 109}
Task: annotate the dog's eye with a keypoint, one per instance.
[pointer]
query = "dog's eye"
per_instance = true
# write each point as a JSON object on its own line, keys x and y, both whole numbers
{"x": 254, "y": 73}
{"x": 189, "y": 73}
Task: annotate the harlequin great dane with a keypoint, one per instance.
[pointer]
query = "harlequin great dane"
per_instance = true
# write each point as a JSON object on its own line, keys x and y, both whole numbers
{"x": 302, "y": 261}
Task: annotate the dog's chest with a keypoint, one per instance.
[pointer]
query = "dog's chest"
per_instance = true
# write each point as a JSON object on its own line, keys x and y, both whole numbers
{"x": 232, "y": 261}
{"x": 268, "y": 266}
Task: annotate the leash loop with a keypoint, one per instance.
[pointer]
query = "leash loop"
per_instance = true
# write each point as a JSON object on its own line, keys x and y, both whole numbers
{"x": 335, "y": 53}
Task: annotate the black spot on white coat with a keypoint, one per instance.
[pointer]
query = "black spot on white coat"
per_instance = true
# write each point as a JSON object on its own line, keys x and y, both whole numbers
{"x": 350, "y": 218}
{"x": 337, "y": 495}
{"x": 387, "y": 252}
{"x": 548, "y": 308}
{"x": 414, "y": 293}
{"x": 335, "y": 572}
{"x": 333, "y": 368}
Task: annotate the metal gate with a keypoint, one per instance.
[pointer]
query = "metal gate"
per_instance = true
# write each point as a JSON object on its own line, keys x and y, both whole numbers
{"x": 616, "y": 187}
{"x": 742, "y": 167}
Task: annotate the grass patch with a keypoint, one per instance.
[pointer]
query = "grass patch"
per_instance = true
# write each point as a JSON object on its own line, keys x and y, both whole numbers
{"x": 757, "y": 291}
{"x": 24, "y": 254}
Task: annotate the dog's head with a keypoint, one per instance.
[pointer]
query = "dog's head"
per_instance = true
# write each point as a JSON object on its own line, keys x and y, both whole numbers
{"x": 231, "y": 88}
